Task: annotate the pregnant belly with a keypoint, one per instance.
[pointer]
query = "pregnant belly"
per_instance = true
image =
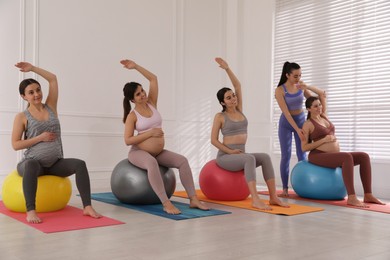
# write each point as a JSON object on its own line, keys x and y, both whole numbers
{"x": 153, "y": 145}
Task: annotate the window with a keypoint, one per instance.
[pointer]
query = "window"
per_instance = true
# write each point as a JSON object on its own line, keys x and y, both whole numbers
{"x": 342, "y": 47}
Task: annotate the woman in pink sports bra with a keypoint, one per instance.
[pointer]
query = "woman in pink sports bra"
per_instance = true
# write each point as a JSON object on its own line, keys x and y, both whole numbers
{"x": 320, "y": 140}
{"x": 147, "y": 146}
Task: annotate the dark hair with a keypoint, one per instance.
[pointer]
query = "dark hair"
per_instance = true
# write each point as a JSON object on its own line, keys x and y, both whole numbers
{"x": 309, "y": 102}
{"x": 221, "y": 97}
{"x": 287, "y": 69}
{"x": 128, "y": 92}
{"x": 25, "y": 83}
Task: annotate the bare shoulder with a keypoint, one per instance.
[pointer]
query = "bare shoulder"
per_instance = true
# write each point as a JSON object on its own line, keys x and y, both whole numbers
{"x": 308, "y": 125}
{"x": 219, "y": 116}
{"x": 131, "y": 117}
{"x": 279, "y": 92}
{"x": 20, "y": 121}
{"x": 20, "y": 117}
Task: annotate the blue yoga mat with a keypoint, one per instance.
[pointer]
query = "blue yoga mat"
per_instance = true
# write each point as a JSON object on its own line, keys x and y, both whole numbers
{"x": 157, "y": 209}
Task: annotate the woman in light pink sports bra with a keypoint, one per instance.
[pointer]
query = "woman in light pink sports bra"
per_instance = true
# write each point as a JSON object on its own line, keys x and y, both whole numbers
{"x": 147, "y": 151}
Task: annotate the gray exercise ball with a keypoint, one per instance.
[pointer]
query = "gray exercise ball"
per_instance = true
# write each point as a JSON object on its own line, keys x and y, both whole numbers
{"x": 130, "y": 184}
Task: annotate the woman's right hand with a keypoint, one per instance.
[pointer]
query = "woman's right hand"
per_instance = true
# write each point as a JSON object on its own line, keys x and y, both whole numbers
{"x": 156, "y": 132}
{"x": 128, "y": 64}
{"x": 330, "y": 138}
{"x": 235, "y": 151}
{"x": 48, "y": 136}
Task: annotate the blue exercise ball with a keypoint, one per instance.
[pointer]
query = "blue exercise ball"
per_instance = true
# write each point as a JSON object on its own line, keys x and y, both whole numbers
{"x": 316, "y": 182}
{"x": 130, "y": 184}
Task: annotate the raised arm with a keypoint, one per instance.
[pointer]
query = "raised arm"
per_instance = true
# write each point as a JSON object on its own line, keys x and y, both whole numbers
{"x": 52, "y": 97}
{"x": 308, "y": 90}
{"x": 235, "y": 82}
{"x": 153, "y": 83}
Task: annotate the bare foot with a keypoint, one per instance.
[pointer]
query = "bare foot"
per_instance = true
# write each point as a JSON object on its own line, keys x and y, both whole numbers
{"x": 353, "y": 201}
{"x": 32, "y": 217}
{"x": 196, "y": 203}
{"x": 277, "y": 202}
{"x": 257, "y": 203}
{"x": 284, "y": 193}
{"x": 89, "y": 211}
{"x": 169, "y": 208}
{"x": 369, "y": 198}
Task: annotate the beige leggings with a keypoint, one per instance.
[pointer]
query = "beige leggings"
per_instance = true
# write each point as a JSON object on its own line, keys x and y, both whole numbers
{"x": 150, "y": 163}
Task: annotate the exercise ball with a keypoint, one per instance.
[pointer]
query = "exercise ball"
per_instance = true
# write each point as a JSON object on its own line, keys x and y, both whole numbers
{"x": 219, "y": 184}
{"x": 315, "y": 182}
{"x": 130, "y": 184}
{"x": 53, "y": 193}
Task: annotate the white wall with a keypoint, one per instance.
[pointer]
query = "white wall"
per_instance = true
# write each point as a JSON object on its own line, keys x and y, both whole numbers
{"x": 83, "y": 41}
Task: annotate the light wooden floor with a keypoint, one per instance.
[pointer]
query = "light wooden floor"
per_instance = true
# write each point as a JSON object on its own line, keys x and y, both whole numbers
{"x": 335, "y": 233}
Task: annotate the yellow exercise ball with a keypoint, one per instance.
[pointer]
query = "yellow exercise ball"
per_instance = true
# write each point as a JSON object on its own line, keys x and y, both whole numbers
{"x": 53, "y": 193}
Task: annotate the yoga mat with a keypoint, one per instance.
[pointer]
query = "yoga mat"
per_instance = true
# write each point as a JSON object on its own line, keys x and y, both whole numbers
{"x": 69, "y": 218}
{"x": 157, "y": 209}
{"x": 342, "y": 203}
{"x": 247, "y": 204}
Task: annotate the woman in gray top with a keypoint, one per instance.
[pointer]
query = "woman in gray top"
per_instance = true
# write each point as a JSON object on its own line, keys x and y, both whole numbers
{"x": 37, "y": 130}
{"x": 231, "y": 155}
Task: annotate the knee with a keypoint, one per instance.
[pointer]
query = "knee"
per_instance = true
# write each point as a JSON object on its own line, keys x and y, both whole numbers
{"x": 266, "y": 157}
{"x": 30, "y": 167}
{"x": 250, "y": 159}
{"x": 346, "y": 157}
{"x": 152, "y": 165}
{"x": 182, "y": 161}
{"x": 80, "y": 164}
{"x": 365, "y": 157}
{"x": 285, "y": 156}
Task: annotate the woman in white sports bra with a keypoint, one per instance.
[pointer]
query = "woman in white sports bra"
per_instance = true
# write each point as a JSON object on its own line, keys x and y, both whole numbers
{"x": 147, "y": 151}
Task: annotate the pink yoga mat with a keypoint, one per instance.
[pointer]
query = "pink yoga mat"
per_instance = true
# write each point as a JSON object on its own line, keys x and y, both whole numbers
{"x": 69, "y": 218}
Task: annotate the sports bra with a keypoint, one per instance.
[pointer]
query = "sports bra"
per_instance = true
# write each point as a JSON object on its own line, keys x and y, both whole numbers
{"x": 293, "y": 101}
{"x": 321, "y": 131}
{"x": 231, "y": 127}
{"x": 144, "y": 124}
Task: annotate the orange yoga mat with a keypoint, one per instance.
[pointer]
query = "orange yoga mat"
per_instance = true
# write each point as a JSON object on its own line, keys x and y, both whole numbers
{"x": 294, "y": 209}
{"x": 69, "y": 218}
{"x": 342, "y": 203}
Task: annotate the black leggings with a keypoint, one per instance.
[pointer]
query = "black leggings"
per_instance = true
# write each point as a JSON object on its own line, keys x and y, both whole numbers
{"x": 31, "y": 169}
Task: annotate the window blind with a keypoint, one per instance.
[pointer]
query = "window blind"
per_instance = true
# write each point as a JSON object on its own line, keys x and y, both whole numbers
{"x": 342, "y": 47}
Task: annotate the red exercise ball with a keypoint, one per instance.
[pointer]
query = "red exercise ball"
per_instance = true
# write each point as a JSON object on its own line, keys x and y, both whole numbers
{"x": 219, "y": 184}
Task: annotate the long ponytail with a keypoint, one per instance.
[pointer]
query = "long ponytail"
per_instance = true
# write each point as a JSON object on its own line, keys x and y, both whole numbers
{"x": 128, "y": 93}
{"x": 287, "y": 69}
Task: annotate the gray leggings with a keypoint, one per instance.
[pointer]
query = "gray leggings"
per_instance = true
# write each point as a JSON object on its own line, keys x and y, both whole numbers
{"x": 30, "y": 169}
{"x": 247, "y": 162}
{"x": 150, "y": 163}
